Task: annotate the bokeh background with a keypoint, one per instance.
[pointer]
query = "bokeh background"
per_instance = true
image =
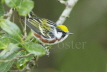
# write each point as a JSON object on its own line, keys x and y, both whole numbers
{"x": 86, "y": 49}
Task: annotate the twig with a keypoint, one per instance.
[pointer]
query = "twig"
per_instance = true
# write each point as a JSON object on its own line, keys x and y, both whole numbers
{"x": 69, "y": 6}
{"x": 9, "y": 14}
{"x": 15, "y": 58}
{"x": 2, "y": 33}
{"x": 25, "y": 33}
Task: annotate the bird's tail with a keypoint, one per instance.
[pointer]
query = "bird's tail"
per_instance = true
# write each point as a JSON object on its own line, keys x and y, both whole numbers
{"x": 32, "y": 15}
{"x": 30, "y": 23}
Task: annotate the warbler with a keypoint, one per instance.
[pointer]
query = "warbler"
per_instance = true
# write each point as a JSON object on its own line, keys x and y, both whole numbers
{"x": 46, "y": 31}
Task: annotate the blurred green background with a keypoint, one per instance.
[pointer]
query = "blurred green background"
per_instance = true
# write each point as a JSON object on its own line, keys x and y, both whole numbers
{"x": 86, "y": 49}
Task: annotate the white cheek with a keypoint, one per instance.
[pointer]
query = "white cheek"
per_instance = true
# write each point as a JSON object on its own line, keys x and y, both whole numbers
{"x": 59, "y": 35}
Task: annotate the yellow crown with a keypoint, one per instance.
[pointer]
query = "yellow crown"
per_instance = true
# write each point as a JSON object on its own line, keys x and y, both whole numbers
{"x": 63, "y": 28}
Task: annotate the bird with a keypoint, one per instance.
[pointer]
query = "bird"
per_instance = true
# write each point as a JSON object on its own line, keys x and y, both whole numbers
{"x": 46, "y": 31}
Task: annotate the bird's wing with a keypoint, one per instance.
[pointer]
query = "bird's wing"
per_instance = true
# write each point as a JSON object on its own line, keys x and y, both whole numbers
{"x": 33, "y": 24}
{"x": 41, "y": 26}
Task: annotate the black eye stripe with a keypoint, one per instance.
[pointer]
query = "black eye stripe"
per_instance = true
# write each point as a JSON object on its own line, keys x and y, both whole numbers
{"x": 63, "y": 34}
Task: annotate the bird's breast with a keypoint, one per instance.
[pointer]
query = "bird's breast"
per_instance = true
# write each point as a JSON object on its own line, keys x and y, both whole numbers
{"x": 46, "y": 40}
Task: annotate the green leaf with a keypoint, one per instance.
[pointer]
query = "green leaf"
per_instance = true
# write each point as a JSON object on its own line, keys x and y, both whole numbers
{"x": 13, "y": 3}
{"x": 4, "y": 35}
{"x": 4, "y": 67}
{"x": 3, "y": 1}
{"x": 29, "y": 36}
{"x": 25, "y": 7}
{"x": 34, "y": 48}
{"x": 12, "y": 29}
{"x": 21, "y": 63}
{"x": 8, "y": 53}
{"x": 4, "y": 42}
{"x": 6, "y": 38}
{"x": 1, "y": 11}
{"x": 22, "y": 6}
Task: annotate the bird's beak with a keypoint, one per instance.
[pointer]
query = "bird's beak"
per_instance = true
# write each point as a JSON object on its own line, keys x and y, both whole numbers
{"x": 69, "y": 33}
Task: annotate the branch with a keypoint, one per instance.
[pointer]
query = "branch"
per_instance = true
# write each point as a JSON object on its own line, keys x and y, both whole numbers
{"x": 15, "y": 58}
{"x": 69, "y": 6}
{"x": 9, "y": 14}
{"x": 24, "y": 30}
